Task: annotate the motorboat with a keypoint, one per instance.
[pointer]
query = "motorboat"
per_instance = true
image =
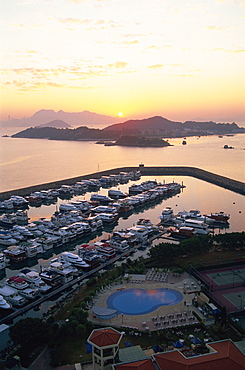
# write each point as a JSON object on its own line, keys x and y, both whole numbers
{"x": 219, "y": 217}
{"x": 3, "y": 261}
{"x": 67, "y": 207}
{"x": 6, "y": 238}
{"x": 108, "y": 217}
{"x": 119, "y": 244}
{"x": 8, "y": 220}
{"x": 23, "y": 231}
{"x": 74, "y": 259}
{"x": 34, "y": 279}
{"x": 101, "y": 198}
{"x": 183, "y": 232}
{"x": 4, "y": 305}
{"x": 116, "y": 193}
{"x": 17, "y": 282}
{"x": 104, "y": 209}
{"x": 30, "y": 293}
{"x": 65, "y": 270}
{"x": 15, "y": 253}
{"x": 12, "y": 295}
{"x": 199, "y": 226}
{"x": 51, "y": 277}
{"x": 6, "y": 205}
{"x": 21, "y": 216}
{"x": 105, "y": 249}
{"x": 19, "y": 201}
{"x": 167, "y": 214}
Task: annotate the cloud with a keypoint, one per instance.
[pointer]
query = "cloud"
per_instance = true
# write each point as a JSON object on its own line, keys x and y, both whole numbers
{"x": 229, "y": 51}
{"x": 133, "y": 42}
{"x": 100, "y": 23}
{"x": 155, "y": 66}
{"x": 216, "y": 28}
{"x": 118, "y": 65}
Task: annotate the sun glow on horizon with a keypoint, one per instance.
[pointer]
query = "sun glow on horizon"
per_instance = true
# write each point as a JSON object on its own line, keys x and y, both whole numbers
{"x": 151, "y": 64}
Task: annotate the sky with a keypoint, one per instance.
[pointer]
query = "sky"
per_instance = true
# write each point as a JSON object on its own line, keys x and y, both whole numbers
{"x": 181, "y": 59}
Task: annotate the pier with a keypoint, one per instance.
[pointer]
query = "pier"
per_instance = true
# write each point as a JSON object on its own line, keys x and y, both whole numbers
{"x": 222, "y": 181}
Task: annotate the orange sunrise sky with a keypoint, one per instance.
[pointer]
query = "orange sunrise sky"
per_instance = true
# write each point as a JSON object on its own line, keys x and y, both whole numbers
{"x": 180, "y": 59}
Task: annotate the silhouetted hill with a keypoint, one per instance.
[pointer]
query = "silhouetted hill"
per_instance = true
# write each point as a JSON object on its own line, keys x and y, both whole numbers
{"x": 154, "y": 127}
{"x": 152, "y": 123}
{"x": 128, "y": 140}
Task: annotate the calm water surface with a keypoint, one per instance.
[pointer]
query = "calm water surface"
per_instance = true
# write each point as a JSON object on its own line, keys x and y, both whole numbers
{"x": 26, "y": 162}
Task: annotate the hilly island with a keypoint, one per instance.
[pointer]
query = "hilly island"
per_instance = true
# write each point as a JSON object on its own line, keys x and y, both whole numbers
{"x": 145, "y": 132}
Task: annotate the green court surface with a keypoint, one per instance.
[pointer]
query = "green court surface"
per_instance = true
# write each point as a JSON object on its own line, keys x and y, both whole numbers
{"x": 228, "y": 277}
{"x": 238, "y": 299}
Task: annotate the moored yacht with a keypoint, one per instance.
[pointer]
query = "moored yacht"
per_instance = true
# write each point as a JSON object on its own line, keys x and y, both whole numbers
{"x": 6, "y": 238}
{"x": 74, "y": 259}
{"x": 33, "y": 278}
{"x": 199, "y": 226}
{"x": 167, "y": 214}
{"x": 12, "y": 296}
{"x": 4, "y": 305}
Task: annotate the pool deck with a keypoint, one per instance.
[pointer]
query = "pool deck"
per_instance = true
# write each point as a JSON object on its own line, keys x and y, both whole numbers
{"x": 184, "y": 283}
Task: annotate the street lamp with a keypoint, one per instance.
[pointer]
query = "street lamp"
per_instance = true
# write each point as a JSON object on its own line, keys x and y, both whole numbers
{"x": 81, "y": 360}
{"x": 239, "y": 295}
{"x": 122, "y": 318}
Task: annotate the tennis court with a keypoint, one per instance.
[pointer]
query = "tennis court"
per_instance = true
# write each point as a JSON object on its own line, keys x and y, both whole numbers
{"x": 226, "y": 285}
{"x": 228, "y": 277}
{"x": 237, "y": 299}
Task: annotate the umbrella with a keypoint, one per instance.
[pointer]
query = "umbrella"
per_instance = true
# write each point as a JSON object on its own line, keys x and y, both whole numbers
{"x": 178, "y": 344}
{"x": 196, "y": 340}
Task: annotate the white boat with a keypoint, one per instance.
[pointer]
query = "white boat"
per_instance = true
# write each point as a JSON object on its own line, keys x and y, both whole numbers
{"x": 17, "y": 282}
{"x": 6, "y": 238}
{"x": 3, "y": 261}
{"x": 116, "y": 193}
{"x": 18, "y": 201}
{"x": 104, "y": 209}
{"x": 67, "y": 207}
{"x": 30, "y": 293}
{"x": 23, "y": 231}
{"x": 66, "y": 273}
{"x": 108, "y": 217}
{"x": 8, "y": 220}
{"x": 167, "y": 214}
{"x": 12, "y": 295}
{"x": 100, "y": 198}
{"x": 199, "y": 226}
{"x": 105, "y": 249}
{"x": 74, "y": 259}
{"x": 119, "y": 244}
{"x": 15, "y": 253}
{"x": 34, "y": 229}
{"x": 4, "y": 305}
{"x": 22, "y": 216}
{"x": 33, "y": 278}
{"x": 51, "y": 277}
{"x": 6, "y": 205}
{"x": 141, "y": 233}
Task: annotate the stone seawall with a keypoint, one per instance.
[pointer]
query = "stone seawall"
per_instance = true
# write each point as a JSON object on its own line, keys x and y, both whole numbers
{"x": 224, "y": 182}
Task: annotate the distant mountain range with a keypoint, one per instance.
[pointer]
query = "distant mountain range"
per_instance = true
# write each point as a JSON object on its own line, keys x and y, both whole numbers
{"x": 90, "y": 119}
{"x": 44, "y": 116}
{"x": 153, "y": 127}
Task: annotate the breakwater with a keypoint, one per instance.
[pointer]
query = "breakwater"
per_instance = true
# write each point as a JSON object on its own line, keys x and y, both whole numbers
{"x": 222, "y": 181}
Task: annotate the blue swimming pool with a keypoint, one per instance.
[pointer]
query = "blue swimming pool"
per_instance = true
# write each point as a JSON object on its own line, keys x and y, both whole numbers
{"x": 141, "y": 301}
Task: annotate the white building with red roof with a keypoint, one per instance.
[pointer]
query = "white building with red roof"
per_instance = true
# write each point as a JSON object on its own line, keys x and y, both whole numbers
{"x": 105, "y": 345}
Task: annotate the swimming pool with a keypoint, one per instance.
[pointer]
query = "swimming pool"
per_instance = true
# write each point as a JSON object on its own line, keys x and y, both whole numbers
{"x": 142, "y": 301}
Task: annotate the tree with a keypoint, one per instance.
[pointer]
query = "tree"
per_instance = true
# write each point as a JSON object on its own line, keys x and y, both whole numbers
{"x": 30, "y": 332}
